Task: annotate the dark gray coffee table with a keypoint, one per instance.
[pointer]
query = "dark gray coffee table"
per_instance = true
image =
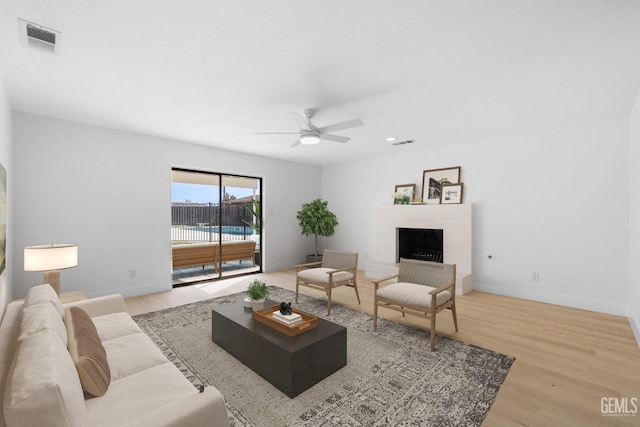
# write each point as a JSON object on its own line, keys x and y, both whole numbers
{"x": 291, "y": 364}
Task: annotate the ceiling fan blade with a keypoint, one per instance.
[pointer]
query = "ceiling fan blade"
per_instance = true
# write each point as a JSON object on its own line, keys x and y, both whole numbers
{"x": 276, "y": 133}
{"x": 296, "y": 143}
{"x": 341, "y": 126}
{"x": 335, "y": 138}
{"x": 299, "y": 121}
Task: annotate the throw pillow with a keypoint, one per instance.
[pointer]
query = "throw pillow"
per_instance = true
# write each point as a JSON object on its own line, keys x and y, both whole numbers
{"x": 87, "y": 352}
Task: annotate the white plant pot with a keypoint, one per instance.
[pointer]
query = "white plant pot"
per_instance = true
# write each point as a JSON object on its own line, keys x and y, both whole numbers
{"x": 257, "y": 304}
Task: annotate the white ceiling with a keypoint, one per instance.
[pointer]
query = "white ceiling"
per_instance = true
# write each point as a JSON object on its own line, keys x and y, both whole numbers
{"x": 213, "y": 72}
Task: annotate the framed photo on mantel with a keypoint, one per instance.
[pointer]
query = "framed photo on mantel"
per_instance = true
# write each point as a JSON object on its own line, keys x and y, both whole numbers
{"x": 404, "y": 194}
{"x": 434, "y": 179}
{"x": 451, "y": 194}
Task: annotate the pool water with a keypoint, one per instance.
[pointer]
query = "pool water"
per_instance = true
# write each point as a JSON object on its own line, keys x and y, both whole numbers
{"x": 226, "y": 229}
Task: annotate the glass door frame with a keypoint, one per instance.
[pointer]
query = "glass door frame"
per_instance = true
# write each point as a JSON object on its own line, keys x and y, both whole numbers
{"x": 218, "y": 230}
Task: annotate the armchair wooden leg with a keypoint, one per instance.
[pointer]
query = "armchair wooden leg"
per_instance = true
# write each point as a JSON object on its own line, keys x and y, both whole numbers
{"x": 375, "y": 313}
{"x": 355, "y": 286}
{"x": 329, "y": 301}
{"x": 433, "y": 330}
{"x": 455, "y": 317}
{"x": 297, "y": 286}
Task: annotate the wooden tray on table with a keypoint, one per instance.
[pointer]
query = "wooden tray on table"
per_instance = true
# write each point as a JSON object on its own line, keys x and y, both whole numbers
{"x": 265, "y": 316}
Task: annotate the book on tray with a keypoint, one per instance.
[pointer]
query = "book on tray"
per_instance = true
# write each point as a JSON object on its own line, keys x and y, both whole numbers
{"x": 289, "y": 319}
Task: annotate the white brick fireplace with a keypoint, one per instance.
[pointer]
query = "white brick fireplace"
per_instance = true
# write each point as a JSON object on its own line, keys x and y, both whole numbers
{"x": 456, "y": 221}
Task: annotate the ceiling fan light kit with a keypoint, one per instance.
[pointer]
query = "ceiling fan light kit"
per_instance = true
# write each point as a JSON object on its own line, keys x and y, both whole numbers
{"x": 310, "y": 134}
{"x": 309, "y": 139}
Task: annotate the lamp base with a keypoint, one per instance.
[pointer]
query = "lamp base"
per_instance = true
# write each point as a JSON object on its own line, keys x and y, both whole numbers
{"x": 53, "y": 278}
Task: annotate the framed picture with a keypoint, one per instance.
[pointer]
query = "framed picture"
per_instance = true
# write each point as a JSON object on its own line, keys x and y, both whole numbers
{"x": 434, "y": 179}
{"x": 404, "y": 194}
{"x": 451, "y": 194}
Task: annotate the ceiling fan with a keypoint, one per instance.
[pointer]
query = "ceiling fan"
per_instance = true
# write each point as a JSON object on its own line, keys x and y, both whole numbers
{"x": 311, "y": 134}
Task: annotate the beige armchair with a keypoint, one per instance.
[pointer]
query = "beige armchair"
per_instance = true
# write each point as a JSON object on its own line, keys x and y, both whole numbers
{"x": 335, "y": 269}
{"x": 423, "y": 289}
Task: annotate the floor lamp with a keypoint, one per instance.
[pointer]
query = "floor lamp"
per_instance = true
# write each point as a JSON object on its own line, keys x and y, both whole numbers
{"x": 51, "y": 259}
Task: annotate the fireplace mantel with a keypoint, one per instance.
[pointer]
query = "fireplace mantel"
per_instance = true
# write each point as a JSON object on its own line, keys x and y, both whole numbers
{"x": 455, "y": 220}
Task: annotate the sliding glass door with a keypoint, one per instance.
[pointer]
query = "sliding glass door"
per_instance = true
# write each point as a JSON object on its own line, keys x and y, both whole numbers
{"x": 215, "y": 225}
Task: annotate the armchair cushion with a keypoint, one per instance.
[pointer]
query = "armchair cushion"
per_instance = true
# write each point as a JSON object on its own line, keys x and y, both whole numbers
{"x": 320, "y": 275}
{"x": 411, "y": 294}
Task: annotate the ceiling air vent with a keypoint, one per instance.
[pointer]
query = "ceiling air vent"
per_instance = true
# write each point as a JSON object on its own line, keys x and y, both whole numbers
{"x": 408, "y": 141}
{"x": 39, "y": 37}
{"x": 41, "y": 34}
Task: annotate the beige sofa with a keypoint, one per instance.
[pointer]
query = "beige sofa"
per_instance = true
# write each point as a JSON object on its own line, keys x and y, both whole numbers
{"x": 40, "y": 384}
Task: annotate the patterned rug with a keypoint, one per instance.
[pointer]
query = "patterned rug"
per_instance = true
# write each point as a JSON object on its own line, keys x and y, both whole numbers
{"x": 390, "y": 379}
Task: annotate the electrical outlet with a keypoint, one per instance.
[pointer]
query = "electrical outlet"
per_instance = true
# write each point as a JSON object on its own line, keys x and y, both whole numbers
{"x": 132, "y": 274}
{"x": 535, "y": 276}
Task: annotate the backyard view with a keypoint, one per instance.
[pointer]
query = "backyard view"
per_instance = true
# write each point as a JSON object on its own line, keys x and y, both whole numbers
{"x": 215, "y": 226}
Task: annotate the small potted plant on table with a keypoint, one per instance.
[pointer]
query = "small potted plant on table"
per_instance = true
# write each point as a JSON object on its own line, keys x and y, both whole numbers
{"x": 257, "y": 291}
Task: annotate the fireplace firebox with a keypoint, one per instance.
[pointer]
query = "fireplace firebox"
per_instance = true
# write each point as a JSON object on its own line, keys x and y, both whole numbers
{"x": 425, "y": 244}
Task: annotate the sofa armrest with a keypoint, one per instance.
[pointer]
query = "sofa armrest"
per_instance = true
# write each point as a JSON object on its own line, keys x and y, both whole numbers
{"x": 199, "y": 409}
{"x": 101, "y": 305}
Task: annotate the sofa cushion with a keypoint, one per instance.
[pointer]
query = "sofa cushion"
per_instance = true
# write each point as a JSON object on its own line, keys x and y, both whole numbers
{"x": 43, "y": 388}
{"x": 115, "y": 325}
{"x": 39, "y": 316}
{"x": 87, "y": 352}
{"x": 131, "y": 354}
{"x": 42, "y": 293}
{"x": 137, "y": 394}
{"x": 9, "y": 331}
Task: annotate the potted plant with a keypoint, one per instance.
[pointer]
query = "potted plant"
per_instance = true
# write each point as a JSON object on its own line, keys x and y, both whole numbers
{"x": 255, "y": 224}
{"x": 257, "y": 291}
{"x": 315, "y": 218}
{"x": 254, "y": 210}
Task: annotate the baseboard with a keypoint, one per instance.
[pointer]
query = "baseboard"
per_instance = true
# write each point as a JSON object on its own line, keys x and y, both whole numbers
{"x": 590, "y": 304}
{"x": 635, "y": 327}
{"x": 131, "y": 291}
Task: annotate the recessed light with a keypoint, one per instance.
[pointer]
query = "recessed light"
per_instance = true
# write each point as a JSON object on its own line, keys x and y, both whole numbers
{"x": 392, "y": 138}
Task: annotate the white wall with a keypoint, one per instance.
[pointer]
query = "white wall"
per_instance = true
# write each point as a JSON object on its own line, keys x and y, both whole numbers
{"x": 553, "y": 202}
{"x": 110, "y": 192}
{"x": 634, "y": 220}
{"x": 6, "y": 160}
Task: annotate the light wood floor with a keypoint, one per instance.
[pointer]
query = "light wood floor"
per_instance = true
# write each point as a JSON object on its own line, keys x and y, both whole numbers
{"x": 567, "y": 360}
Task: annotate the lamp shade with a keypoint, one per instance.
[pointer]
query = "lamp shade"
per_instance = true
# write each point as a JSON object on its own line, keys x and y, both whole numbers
{"x": 50, "y": 257}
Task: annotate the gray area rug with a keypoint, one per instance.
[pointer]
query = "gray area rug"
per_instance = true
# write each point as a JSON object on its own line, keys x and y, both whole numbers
{"x": 391, "y": 378}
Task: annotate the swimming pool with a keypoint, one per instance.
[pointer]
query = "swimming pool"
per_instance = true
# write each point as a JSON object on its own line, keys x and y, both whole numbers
{"x": 226, "y": 229}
